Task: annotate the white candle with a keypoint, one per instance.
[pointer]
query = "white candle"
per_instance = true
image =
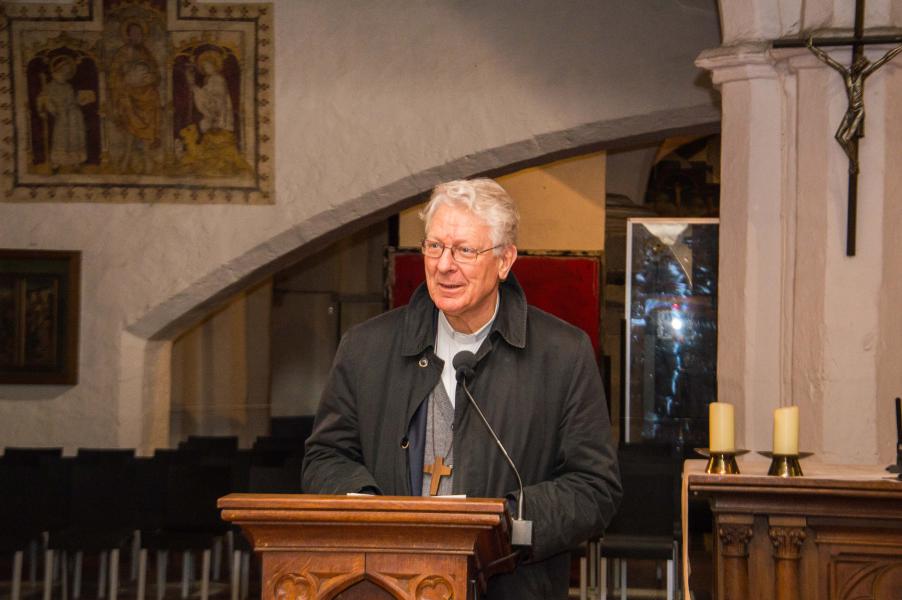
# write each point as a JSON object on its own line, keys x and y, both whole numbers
{"x": 786, "y": 431}
{"x": 720, "y": 423}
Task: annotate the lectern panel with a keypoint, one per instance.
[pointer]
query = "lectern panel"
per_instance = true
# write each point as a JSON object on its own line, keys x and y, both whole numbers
{"x": 365, "y": 590}
{"x": 293, "y": 575}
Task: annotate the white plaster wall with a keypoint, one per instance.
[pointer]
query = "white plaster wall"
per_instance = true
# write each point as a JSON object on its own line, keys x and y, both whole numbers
{"x": 628, "y": 170}
{"x": 375, "y": 102}
{"x": 800, "y": 322}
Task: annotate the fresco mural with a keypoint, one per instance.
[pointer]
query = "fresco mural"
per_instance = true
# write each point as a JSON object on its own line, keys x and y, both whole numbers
{"x": 136, "y": 101}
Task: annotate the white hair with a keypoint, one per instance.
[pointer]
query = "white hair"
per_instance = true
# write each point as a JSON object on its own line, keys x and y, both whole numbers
{"x": 483, "y": 197}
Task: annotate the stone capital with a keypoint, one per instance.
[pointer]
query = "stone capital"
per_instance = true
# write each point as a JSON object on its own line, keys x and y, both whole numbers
{"x": 738, "y": 63}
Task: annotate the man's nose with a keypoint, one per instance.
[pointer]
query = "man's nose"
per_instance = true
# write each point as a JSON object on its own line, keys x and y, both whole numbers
{"x": 446, "y": 261}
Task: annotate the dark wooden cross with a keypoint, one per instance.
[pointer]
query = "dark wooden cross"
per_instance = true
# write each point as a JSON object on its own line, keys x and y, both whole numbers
{"x": 852, "y": 127}
{"x": 438, "y": 469}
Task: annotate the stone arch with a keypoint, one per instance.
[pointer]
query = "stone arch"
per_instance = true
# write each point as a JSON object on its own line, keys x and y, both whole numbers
{"x": 147, "y": 340}
{"x": 169, "y": 317}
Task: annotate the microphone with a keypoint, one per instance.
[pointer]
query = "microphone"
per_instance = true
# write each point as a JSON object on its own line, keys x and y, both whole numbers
{"x": 464, "y": 364}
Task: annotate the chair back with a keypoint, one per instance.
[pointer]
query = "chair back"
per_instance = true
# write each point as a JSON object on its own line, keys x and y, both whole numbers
{"x": 30, "y": 456}
{"x": 298, "y": 428}
{"x": 650, "y": 478}
{"x": 192, "y": 491}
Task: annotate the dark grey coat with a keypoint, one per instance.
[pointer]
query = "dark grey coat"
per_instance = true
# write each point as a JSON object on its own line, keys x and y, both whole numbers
{"x": 539, "y": 386}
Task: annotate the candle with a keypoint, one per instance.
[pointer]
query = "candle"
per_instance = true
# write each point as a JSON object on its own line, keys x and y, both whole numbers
{"x": 720, "y": 422}
{"x": 786, "y": 431}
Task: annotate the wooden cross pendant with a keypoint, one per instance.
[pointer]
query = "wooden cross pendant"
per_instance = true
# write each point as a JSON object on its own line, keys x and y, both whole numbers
{"x": 437, "y": 470}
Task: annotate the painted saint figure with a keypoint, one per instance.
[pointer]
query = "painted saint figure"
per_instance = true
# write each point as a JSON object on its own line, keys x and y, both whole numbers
{"x": 208, "y": 147}
{"x": 852, "y": 126}
{"x": 59, "y": 99}
{"x": 134, "y": 91}
{"x": 212, "y": 99}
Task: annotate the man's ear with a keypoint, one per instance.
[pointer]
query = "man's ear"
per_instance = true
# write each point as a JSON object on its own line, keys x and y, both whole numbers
{"x": 508, "y": 256}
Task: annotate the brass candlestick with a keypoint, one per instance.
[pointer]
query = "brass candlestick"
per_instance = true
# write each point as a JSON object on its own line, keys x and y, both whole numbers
{"x": 785, "y": 465}
{"x": 722, "y": 463}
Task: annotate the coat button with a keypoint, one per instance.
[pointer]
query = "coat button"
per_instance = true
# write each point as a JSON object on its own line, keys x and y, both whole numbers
{"x": 405, "y": 443}
{"x": 424, "y": 362}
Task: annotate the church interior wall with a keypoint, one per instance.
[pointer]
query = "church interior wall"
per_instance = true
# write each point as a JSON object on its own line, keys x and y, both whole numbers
{"x": 370, "y": 111}
{"x": 561, "y": 206}
{"x": 802, "y": 322}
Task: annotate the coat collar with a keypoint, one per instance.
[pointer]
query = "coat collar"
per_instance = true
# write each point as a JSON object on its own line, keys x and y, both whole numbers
{"x": 421, "y": 315}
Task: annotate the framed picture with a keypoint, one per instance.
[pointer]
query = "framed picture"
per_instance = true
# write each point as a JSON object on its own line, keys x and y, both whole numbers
{"x": 670, "y": 373}
{"x": 39, "y": 308}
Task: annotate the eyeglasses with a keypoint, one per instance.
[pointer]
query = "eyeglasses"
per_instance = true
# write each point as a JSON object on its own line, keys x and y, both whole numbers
{"x": 461, "y": 254}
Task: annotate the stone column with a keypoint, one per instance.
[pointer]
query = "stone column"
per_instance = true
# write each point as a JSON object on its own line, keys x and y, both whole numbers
{"x": 752, "y": 282}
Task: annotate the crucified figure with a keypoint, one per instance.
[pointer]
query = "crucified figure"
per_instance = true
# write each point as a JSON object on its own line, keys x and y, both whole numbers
{"x": 852, "y": 126}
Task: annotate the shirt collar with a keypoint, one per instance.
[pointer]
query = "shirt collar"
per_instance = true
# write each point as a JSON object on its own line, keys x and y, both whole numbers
{"x": 421, "y": 318}
{"x": 445, "y": 326}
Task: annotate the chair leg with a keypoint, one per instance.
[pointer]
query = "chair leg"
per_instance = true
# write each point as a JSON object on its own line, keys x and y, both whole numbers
{"x": 142, "y": 573}
{"x": 603, "y": 583}
{"x": 48, "y": 574}
{"x": 205, "y": 575}
{"x": 236, "y": 574}
{"x": 17, "y": 574}
{"x": 114, "y": 573}
{"x": 592, "y": 549}
{"x": 76, "y": 576}
{"x": 230, "y": 542}
{"x": 162, "y": 564}
{"x": 669, "y": 580}
{"x": 623, "y": 586}
{"x": 136, "y": 551}
{"x": 583, "y": 578}
{"x": 64, "y": 575}
{"x": 102, "y": 575}
{"x": 245, "y": 574}
{"x": 33, "y": 562}
{"x": 217, "y": 558}
{"x": 186, "y": 573}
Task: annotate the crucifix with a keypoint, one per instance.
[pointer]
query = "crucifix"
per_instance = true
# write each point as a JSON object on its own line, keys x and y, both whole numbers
{"x": 438, "y": 469}
{"x": 851, "y": 129}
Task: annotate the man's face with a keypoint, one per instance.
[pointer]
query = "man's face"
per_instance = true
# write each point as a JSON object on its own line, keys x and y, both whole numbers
{"x": 465, "y": 292}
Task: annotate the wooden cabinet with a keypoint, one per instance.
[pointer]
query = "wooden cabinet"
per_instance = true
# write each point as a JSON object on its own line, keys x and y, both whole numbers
{"x": 834, "y": 534}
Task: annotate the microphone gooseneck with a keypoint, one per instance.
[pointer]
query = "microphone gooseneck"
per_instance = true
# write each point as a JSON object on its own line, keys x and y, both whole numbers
{"x": 464, "y": 363}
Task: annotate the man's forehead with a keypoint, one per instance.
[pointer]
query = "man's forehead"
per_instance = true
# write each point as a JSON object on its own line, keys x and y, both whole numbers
{"x": 457, "y": 221}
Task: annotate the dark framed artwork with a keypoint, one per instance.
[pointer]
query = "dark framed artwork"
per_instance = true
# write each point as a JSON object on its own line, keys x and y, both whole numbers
{"x": 39, "y": 308}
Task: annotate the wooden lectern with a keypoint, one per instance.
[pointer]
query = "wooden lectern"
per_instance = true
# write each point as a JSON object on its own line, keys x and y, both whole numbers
{"x": 355, "y": 547}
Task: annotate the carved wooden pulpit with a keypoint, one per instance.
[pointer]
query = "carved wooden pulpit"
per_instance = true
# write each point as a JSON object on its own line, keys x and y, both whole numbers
{"x": 354, "y": 547}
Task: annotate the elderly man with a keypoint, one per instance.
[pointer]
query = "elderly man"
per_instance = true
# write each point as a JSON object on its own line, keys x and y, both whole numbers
{"x": 394, "y": 420}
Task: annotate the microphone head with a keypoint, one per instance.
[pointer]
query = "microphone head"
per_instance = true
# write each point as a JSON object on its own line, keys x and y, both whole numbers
{"x": 464, "y": 363}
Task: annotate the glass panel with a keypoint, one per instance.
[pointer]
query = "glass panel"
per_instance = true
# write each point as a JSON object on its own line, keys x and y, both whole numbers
{"x": 672, "y": 329}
